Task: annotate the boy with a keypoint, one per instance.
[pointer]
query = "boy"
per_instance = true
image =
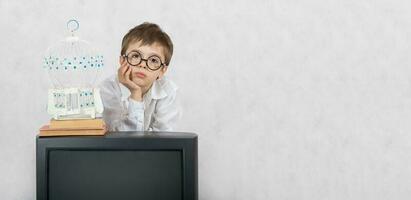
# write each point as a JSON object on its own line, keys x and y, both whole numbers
{"x": 139, "y": 97}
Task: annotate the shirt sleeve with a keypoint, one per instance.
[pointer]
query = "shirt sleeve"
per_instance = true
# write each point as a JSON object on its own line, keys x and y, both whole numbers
{"x": 121, "y": 114}
{"x": 130, "y": 119}
{"x": 167, "y": 114}
{"x": 134, "y": 119}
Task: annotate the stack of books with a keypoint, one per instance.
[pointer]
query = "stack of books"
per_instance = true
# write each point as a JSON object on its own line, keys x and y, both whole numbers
{"x": 74, "y": 127}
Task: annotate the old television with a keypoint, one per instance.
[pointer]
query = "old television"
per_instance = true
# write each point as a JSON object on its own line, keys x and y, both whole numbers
{"x": 118, "y": 166}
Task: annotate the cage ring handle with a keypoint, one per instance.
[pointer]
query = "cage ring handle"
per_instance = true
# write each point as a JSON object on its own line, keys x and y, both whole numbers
{"x": 73, "y": 25}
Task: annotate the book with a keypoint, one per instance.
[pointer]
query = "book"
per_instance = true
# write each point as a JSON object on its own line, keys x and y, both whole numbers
{"x": 47, "y": 131}
{"x": 77, "y": 124}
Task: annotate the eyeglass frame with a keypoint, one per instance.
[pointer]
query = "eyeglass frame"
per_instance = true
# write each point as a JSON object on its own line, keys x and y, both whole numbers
{"x": 142, "y": 59}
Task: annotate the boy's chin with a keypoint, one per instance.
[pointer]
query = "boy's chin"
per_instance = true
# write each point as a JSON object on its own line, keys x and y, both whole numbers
{"x": 138, "y": 81}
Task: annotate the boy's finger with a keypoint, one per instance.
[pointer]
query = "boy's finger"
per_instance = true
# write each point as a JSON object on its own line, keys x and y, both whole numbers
{"x": 122, "y": 70}
{"x": 127, "y": 74}
{"x": 125, "y": 64}
{"x": 122, "y": 73}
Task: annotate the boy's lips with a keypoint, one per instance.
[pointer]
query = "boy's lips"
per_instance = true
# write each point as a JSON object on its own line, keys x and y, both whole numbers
{"x": 139, "y": 74}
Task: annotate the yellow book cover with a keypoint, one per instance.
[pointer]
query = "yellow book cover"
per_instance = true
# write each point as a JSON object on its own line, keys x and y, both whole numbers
{"x": 47, "y": 131}
{"x": 77, "y": 124}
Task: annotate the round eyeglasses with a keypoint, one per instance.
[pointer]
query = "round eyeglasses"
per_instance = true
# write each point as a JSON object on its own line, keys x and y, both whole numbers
{"x": 153, "y": 62}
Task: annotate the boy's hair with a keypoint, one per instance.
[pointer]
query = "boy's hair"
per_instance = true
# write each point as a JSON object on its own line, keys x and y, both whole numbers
{"x": 148, "y": 33}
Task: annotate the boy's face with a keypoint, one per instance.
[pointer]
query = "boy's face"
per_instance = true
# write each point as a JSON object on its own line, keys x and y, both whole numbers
{"x": 141, "y": 74}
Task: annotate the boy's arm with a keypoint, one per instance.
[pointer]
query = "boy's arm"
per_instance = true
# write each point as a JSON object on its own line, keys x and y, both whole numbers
{"x": 131, "y": 118}
{"x": 134, "y": 119}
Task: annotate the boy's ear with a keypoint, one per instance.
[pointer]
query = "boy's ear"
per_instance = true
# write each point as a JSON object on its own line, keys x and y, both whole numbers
{"x": 120, "y": 59}
{"x": 164, "y": 69}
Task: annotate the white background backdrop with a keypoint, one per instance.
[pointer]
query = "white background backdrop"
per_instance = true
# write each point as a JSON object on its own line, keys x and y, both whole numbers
{"x": 290, "y": 99}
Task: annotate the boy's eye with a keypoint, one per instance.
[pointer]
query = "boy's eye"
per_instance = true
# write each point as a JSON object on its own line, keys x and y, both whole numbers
{"x": 154, "y": 60}
{"x": 135, "y": 56}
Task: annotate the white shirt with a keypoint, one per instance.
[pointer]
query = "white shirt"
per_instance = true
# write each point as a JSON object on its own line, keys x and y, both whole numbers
{"x": 159, "y": 110}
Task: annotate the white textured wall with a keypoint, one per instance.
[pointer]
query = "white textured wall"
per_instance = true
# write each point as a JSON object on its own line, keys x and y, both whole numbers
{"x": 291, "y": 99}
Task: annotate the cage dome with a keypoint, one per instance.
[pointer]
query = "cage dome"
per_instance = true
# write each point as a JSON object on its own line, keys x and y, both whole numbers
{"x": 73, "y": 62}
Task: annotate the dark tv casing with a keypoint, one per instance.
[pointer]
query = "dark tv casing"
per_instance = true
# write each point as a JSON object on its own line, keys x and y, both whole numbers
{"x": 135, "y": 144}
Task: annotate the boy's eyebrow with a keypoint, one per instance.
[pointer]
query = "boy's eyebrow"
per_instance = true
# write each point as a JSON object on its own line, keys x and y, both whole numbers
{"x": 151, "y": 54}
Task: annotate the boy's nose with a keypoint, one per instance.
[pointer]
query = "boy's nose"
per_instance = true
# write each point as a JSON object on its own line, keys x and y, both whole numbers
{"x": 143, "y": 64}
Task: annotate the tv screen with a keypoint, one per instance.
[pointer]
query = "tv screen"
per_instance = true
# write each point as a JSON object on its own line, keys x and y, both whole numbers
{"x": 110, "y": 175}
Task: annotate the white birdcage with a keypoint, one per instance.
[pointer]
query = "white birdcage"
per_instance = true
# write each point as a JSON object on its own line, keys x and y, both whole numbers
{"x": 73, "y": 66}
